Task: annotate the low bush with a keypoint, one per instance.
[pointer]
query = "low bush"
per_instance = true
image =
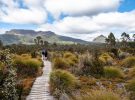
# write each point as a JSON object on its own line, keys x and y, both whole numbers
{"x": 72, "y": 61}
{"x": 87, "y": 81}
{"x": 106, "y": 59}
{"x": 128, "y": 62}
{"x": 131, "y": 88}
{"x": 33, "y": 54}
{"x": 131, "y": 85}
{"x": 68, "y": 55}
{"x": 27, "y": 67}
{"x": 112, "y": 72}
{"x": 92, "y": 66}
{"x": 114, "y": 51}
{"x": 70, "y": 58}
{"x": 62, "y": 81}
{"x": 25, "y": 56}
{"x": 123, "y": 55}
{"x": 60, "y": 63}
{"x": 24, "y": 87}
{"x": 132, "y": 72}
{"x": 101, "y": 95}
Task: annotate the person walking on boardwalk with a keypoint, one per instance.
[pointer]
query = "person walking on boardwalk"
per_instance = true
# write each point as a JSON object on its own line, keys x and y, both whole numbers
{"x": 44, "y": 54}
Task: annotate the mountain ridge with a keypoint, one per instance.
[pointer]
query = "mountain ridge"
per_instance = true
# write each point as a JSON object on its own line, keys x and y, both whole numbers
{"x": 99, "y": 39}
{"x": 23, "y": 36}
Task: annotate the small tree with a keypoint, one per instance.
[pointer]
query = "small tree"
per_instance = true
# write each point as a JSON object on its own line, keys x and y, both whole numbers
{"x": 125, "y": 38}
{"x": 35, "y": 40}
{"x": 38, "y": 39}
{"x": 134, "y": 37}
{"x": 111, "y": 40}
{"x": 46, "y": 43}
{"x": 92, "y": 65}
{"x": 41, "y": 42}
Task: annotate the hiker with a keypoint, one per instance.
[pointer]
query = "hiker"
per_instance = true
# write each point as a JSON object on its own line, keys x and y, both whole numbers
{"x": 44, "y": 54}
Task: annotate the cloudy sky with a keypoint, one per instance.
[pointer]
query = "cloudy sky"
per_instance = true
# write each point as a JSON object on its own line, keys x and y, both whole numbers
{"x": 83, "y": 19}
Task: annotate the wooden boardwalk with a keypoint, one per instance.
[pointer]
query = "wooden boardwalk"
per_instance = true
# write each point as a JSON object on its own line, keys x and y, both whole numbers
{"x": 40, "y": 88}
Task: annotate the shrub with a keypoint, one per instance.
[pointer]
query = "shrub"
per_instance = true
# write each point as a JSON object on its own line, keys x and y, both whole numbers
{"x": 131, "y": 87}
{"x": 132, "y": 72}
{"x": 24, "y": 87}
{"x": 84, "y": 80}
{"x": 92, "y": 66}
{"x": 25, "y": 56}
{"x": 2, "y": 76}
{"x": 71, "y": 58}
{"x": 33, "y": 54}
{"x": 72, "y": 61}
{"x": 27, "y": 67}
{"x": 112, "y": 72}
{"x": 60, "y": 63}
{"x": 8, "y": 82}
{"x": 101, "y": 95}
{"x": 123, "y": 55}
{"x": 68, "y": 55}
{"x": 128, "y": 62}
{"x": 106, "y": 59}
{"x": 62, "y": 80}
{"x": 115, "y": 51}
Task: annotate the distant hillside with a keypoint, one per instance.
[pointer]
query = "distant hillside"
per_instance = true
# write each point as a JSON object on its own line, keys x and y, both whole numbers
{"x": 16, "y": 36}
{"x": 99, "y": 39}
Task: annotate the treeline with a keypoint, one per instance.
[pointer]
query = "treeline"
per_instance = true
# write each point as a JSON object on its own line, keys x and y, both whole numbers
{"x": 126, "y": 43}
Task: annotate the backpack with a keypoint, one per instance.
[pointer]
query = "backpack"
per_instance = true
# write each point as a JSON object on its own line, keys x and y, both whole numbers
{"x": 43, "y": 52}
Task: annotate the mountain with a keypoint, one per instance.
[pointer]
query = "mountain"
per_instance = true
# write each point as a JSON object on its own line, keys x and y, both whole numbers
{"x": 16, "y": 36}
{"x": 99, "y": 39}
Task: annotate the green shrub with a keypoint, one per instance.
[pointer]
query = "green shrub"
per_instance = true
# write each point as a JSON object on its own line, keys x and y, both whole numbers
{"x": 101, "y": 95}
{"x": 106, "y": 59}
{"x": 62, "y": 80}
{"x": 131, "y": 85}
{"x": 27, "y": 67}
{"x": 25, "y": 56}
{"x": 112, "y": 72}
{"x": 7, "y": 77}
{"x": 72, "y": 61}
{"x": 1, "y": 73}
{"x": 68, "y": 55}
{"x": 123, "y": 55}
{"x": 131, "y": 88}
{"x": 115, "y": 51}
{"x": 70, "y": 58}
{"x": 92, "y": 66}
{"x": 128, "y": 62}
{"x": 33, "y": 63}
{"x": 60, "y": 63}
{"x": 33, "y": 54}
{"x": 132, "y": 72}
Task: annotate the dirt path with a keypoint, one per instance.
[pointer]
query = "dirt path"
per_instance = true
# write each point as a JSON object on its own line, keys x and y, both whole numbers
{"x": 40, "y": 88}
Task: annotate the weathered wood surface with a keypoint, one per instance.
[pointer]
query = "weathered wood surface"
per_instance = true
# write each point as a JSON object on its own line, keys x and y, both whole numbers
{"x": 40, "y": 88}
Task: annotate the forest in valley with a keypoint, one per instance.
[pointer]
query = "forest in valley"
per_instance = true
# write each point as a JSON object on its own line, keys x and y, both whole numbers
{"x": 98, "y": 71}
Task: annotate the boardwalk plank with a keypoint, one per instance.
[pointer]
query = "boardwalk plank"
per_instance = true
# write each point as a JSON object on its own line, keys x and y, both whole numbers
{"x": 40, "y": 88}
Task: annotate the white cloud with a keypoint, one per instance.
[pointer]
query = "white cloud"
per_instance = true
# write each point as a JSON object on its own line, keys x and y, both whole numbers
{"x": 2, "y": 31}
{"x": 80, "y": 7}
{"x": 86, "y": 18}
{"x": 34, "y": 3}
{"x": 12, "y": 13}
{"x": 89, "y": 27}
{"x": 22, "y": 16}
